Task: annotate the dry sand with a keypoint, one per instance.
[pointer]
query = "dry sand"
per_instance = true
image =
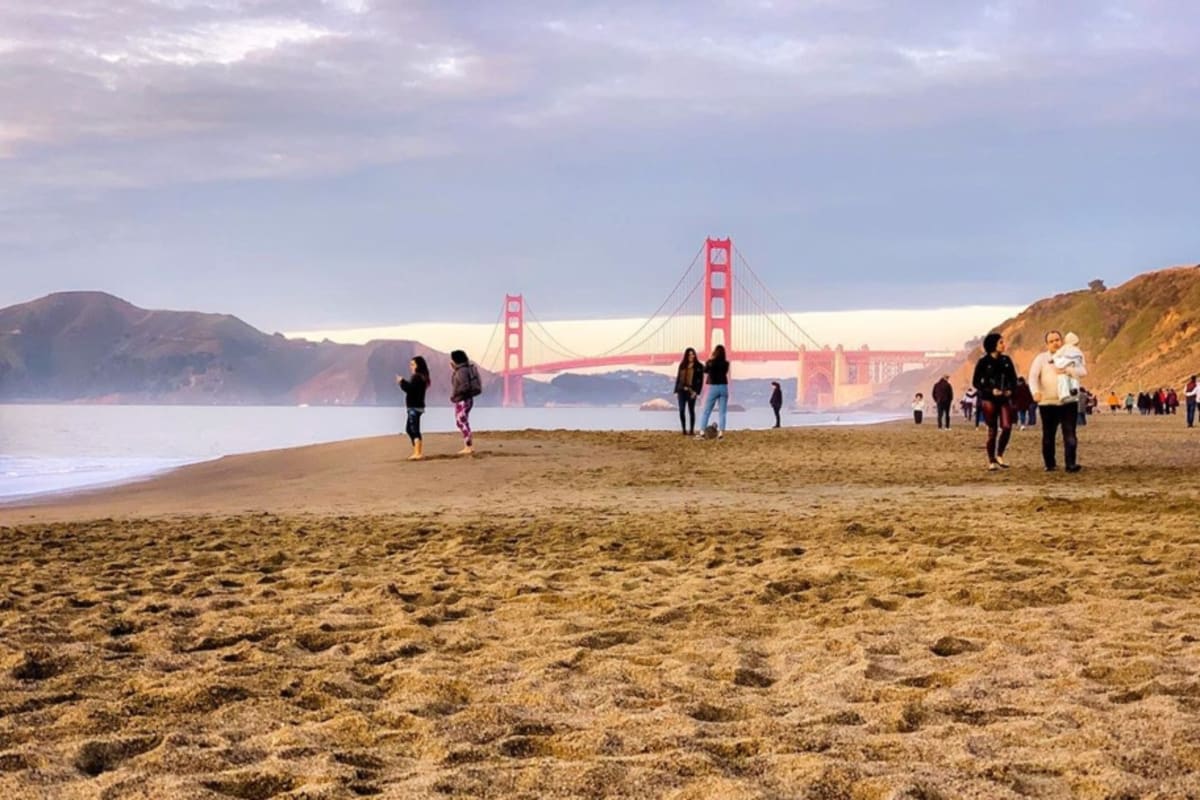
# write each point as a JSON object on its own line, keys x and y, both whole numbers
{"x": 822, "y": 613}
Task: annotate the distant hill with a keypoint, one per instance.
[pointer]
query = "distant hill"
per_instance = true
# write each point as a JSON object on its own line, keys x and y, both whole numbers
{"x": 94, "y": 347}
{"x": 1142, "y": 334}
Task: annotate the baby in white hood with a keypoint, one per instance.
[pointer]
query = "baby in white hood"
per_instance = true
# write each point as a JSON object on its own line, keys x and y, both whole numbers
{"x": 1068, "y": 356}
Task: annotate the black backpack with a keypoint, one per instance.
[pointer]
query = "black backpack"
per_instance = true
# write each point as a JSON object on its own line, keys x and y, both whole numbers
{"x": 474, "y": 383}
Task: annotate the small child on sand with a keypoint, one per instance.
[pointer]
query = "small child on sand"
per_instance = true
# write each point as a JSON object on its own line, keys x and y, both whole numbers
{"x": 1068, "y": 356}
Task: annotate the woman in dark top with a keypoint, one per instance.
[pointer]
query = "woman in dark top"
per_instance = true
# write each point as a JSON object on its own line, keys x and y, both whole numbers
{"x": 717, "y": 370}
{"x": 776, "y": 400}
{"x": 996, "y": 379}
{"x": 689, "y": 382}
{"x": 414, "y": 402}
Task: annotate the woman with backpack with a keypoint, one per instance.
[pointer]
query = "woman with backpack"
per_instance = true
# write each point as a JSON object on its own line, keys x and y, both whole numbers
{"x": 465, "y": 386}
{"x": 414, "y": 387}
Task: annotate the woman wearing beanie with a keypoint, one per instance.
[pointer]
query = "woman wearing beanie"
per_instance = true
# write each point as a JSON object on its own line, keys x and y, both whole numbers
{"x": 1057, "y": 409}
{"x": 996, "y": 378}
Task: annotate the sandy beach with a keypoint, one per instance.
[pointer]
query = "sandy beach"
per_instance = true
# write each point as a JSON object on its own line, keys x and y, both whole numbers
{"x": 858, "y": 613}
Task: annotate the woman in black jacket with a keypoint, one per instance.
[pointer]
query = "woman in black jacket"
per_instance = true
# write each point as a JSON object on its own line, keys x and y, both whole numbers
{"x": 414, "y": 403}
{"x": 996, "y": 379}
{"x": 689, "y": 382}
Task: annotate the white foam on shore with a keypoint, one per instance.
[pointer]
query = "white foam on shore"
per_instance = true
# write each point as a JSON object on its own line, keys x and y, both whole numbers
{"x": 23, "y": 478}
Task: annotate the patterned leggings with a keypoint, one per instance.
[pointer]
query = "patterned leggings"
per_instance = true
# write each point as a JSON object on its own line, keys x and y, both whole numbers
{"x": 462, "y": 412}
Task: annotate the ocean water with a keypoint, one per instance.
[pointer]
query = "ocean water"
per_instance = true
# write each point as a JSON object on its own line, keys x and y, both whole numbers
{"x": 60, "y": 448}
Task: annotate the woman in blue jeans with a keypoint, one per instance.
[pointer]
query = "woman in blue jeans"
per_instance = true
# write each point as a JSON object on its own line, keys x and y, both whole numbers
{"x": 716, "y": 370}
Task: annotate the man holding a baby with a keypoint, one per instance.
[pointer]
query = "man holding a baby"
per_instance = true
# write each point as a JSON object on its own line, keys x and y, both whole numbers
{"x": 1054, "y": 378}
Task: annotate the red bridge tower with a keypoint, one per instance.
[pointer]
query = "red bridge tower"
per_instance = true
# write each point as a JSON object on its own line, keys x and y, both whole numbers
{"x": 718, "y": 296}
{"x": 514, "y": 350}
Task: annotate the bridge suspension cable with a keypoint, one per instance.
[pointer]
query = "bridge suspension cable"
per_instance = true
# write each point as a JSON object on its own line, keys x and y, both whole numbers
{"x": 559, "y": 347}
{"x": 617, "y": 348}
{"x": 485, "y": 360}
{"x": 779, "y": 309}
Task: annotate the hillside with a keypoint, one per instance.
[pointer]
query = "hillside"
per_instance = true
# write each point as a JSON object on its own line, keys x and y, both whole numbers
{"x": 93, "y": 347}
{"x": 1142, "y": 334}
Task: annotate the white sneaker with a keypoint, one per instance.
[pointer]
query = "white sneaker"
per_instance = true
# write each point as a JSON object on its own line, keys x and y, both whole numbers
{"x": 720, "y": 434}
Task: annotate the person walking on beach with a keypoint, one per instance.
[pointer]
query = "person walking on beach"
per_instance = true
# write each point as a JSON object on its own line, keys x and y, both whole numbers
{"x": 1022, "y": 400}
{"x": 1191, "y": 392}
{"x": 465, "y": 386}
{"x": 717, "y": 370}
{"x": 995, "y": 378}
{"x": 1057, "y": 410}
{"x": 968, "y": 403}
{"x": 943, "y": 398}
{"x": 689, "y": 382}
{"x": 414, "y": 387}
{"x": 1129, "y": 400}
{"x": 918, "y": 408}
{"x": 776, "y": 400}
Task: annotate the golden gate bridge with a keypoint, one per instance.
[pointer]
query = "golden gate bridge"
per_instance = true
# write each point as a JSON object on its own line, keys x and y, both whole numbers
{"x": 522, "y": 345}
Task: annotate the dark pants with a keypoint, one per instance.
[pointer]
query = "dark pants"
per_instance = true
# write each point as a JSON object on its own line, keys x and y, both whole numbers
{"x": 1032, "y": 415}
{"x": 918, "y": 416}
{"x": 1066, "y": 415}
{"x": 997, "y": 415}
{"x": 687, "y": 405}
{"x": 943, "y": 410}
{"x": 412, "y": 425}
{"x": 1191, "y": 411}
{"x": 776, "y": 410}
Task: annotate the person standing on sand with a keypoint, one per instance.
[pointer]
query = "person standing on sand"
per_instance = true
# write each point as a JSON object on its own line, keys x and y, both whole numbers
{"x": 1056, "y": 410}
{"x": 717, "y": 370}
{"x": 465, "y": 386}
{"x": 943, "y": 398}
{"x": 1191, "y": 392}
{"x": 996, "y": 378}
{"x": 1129, "y": 399}
{"x": 776, "y": 400}
{"x": 918, "y": 408}
{"x": 1022, "y": 400}
{"x": 414, "y": 403}
{"x": 689, "y": 382}
{"x": 968, "y": 403}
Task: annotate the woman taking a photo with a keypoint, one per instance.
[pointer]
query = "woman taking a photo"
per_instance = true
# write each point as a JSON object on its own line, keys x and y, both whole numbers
{"x": 717, "y": 370}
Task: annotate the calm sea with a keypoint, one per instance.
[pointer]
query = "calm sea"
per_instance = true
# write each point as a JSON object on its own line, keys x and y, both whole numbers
{"x": 58, "y": 448}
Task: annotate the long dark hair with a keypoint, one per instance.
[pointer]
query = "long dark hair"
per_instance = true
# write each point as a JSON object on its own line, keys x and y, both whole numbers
{"x": 422, "y": 368}
{"x": 683, "y": 362}
{"x": 718, "y": 353}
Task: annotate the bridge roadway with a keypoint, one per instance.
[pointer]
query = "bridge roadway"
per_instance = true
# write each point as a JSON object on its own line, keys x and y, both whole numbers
{"x": 670, "y": 359}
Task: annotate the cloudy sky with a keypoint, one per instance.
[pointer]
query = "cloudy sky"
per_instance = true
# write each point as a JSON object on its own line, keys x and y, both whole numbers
{"x": 309, "y": 164}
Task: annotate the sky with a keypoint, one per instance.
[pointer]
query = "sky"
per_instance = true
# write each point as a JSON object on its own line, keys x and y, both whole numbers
{"x": 319, "y": 165}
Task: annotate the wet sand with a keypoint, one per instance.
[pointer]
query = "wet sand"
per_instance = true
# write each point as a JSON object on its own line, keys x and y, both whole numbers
{"x": 817, "y": 613}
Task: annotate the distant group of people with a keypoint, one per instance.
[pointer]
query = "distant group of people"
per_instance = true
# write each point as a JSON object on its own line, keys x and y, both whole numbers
{"x": 465, "y": 385}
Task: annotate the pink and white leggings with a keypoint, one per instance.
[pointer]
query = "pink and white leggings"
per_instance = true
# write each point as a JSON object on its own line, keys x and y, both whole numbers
{"x": 462, "y": 410}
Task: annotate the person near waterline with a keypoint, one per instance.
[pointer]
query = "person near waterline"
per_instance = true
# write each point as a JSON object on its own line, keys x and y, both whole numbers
{"x": 996, "y": 378}
{"x": 918, "y": 408}
{"x": 1191, "y": 393}
{"x": 717, "y": 371}
{"x": 414, "y": 387}
{"x": 1057, "y": 411}
{"x": 776, "y": 400}
{"x": 943, "y": 398}
{"x": 689, "y": 382}
{"x": 465, "y": 386}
